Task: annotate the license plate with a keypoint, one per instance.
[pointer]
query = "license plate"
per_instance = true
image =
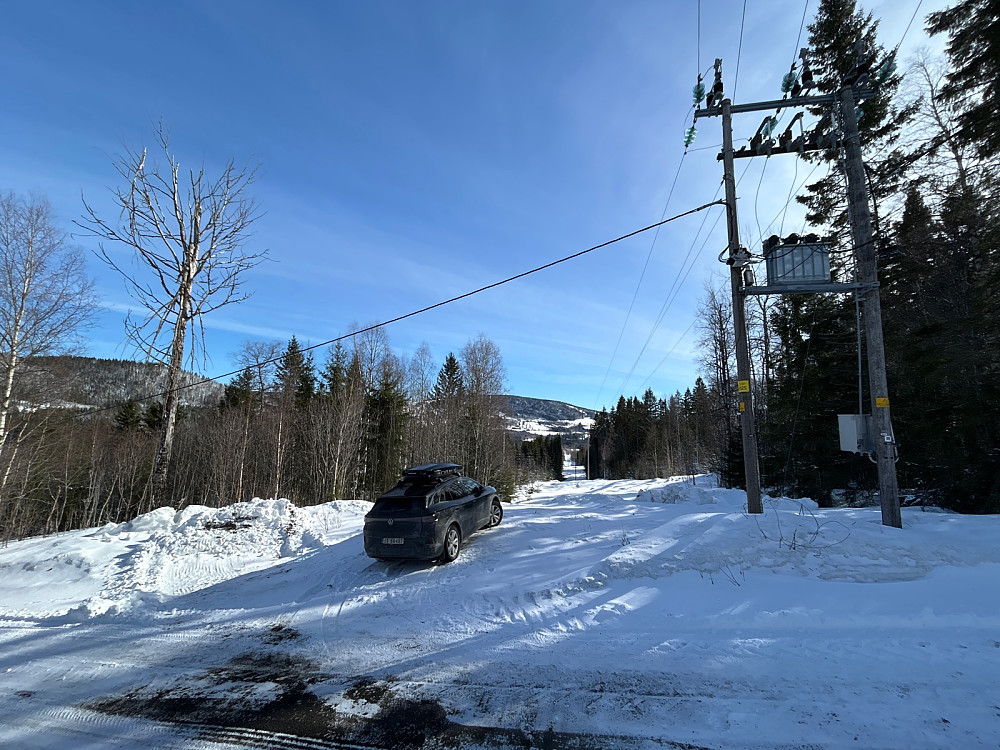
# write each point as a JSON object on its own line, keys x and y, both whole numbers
{"x": 392, "y": 540}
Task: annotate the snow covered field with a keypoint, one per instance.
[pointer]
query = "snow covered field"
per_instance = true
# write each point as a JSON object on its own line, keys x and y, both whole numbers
{"x": 625, "y": 614}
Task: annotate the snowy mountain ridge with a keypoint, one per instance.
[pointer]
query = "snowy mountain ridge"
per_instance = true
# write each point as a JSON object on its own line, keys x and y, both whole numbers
{"x": 537, "y": 417}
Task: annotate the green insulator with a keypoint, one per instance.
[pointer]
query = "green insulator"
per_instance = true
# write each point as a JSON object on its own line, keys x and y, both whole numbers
{"x": 699, "y": 93}
{"x": 769, "y": 126}
{"x": 787, "y": 82}
{"x": 689, "y": 135}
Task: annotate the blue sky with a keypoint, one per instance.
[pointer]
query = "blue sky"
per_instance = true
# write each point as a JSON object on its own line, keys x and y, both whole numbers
{"x": 413, "y": 151}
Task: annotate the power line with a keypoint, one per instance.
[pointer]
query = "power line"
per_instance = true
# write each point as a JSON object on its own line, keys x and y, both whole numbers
{"x": 635, "y": 294}
{"x": 907, "y": 30}
{"x": 739, "y": 50}
{"x": 698, "y": 53}
{"x": 671, "y": 293}
{"x": 780, "y": 213}
{"x": 756, "y": 196}
{"x": 677, "y": 284}
{"x": 434, "y": 306}
{"x": 784, "y": 208}
{"x": 706, "y": 148}
{"x": 667, "y": 355}
{"x": 788, "y": 202}
{"x": 798, "y": 39}
{"x": 663, "y": 311}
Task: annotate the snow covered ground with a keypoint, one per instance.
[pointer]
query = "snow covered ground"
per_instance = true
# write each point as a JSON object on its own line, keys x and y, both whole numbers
{"x": 601, "y": 614}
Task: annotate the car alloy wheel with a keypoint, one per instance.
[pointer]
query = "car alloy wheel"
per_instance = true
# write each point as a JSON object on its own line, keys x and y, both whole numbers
{"x": 452, "y": 544}
{"x": 496, "y": 513}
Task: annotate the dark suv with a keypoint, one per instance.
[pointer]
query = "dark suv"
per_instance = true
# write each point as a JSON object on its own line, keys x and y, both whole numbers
{"x": 429, "y": 513}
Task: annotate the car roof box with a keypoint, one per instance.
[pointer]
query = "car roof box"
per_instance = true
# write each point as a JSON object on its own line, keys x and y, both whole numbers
{"x": 435, "y": 471}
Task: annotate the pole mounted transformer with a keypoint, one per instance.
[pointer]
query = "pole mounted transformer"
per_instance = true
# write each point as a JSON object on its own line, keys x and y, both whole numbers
{"x": 801, "y": 266}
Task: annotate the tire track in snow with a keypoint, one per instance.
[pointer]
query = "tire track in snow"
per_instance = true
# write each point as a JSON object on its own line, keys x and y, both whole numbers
{"x": 77, "y": 723}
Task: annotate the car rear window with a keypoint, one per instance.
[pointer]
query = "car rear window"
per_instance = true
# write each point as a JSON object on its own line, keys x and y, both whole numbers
{"x": 392, "y": 505}
{"x": 408, "y": 487}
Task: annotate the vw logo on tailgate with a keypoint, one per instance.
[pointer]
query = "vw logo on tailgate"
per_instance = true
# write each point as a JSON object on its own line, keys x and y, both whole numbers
{"x": 390, "y": 522}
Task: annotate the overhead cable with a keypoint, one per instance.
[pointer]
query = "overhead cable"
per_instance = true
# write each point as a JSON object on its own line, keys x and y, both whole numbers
{"x": 436, "y": 305}
{"x": 642, "y": 275}
{"x": 739, "y": 50}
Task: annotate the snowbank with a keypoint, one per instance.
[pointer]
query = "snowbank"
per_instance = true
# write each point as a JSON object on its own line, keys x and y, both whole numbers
{"x": 162, "y": 554}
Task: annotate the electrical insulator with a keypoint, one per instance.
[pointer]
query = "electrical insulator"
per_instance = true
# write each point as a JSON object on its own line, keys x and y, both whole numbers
{"x": 788, "y": 81}
{"x": 768, "y": 126}
{"x": 689, "y": 135}
{"x": 698, "y": 92}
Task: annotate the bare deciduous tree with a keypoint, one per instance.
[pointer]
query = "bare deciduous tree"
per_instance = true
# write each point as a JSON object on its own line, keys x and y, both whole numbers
{"x": 261, "y": 357}
{"x": 484, "y": 376}
{"x": 945, "y": 157}
{"x": 46, "y": 297}
{"x": 189, "y": 234}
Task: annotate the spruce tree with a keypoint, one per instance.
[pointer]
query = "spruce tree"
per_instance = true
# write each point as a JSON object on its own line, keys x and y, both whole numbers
{"x": 128, "y": 417}
{"x": 333, "y": 377}
{"x": 238, "y": 394}
{"x": 840, "y": 36}
{"x": 973, "y": 29}
{"x": 296, "y": 374}
{"x": 599, "y": 445}
{"x": 816, "y": 375}
{"x": 814, "y": 358}
{"x": 449, "y": 382}
{"x": 387, "y": 415}
{"x": 153, "y": 416}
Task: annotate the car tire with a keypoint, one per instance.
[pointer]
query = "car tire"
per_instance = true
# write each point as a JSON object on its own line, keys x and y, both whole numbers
{"x": 452, "y": 543}
{"x": 496, "y": 512}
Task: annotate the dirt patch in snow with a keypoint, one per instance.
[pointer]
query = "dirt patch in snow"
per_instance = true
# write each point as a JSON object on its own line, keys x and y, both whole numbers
{"x": 273, "y": 699}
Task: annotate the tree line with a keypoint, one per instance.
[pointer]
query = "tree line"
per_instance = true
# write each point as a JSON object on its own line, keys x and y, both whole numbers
{"x": 283, "y": 427}
{"x": 658, "y": 437}
{"x": 933, "y": 162}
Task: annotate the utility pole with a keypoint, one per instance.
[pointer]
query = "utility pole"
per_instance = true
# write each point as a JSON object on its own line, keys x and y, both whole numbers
{"x": 864, "y": 244}
{"x": 737, "y": 259}
{"x": 867, "y": 273}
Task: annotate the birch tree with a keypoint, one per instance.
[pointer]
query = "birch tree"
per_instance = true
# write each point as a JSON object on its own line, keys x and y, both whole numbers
{"x": 186, "y": 233}
{"x": 46, "y": 298}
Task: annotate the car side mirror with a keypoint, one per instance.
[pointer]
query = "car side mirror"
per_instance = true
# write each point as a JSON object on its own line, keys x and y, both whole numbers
{"x": 479, "y": 491}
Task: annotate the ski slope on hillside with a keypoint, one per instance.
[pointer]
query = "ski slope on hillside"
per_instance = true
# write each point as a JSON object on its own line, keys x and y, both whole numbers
{"x": 600, "y": 614}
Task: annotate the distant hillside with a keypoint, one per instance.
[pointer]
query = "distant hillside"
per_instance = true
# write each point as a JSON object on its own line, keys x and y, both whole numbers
{"x": 533, "y": 417}
{"x": 87, "y": 381}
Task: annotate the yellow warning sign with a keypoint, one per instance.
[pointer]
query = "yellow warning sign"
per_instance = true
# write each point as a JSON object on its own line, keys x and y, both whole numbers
{"x": 744, "y": 386}
{"x": 882, "y": 402}
{"x": 743, "y": 407}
